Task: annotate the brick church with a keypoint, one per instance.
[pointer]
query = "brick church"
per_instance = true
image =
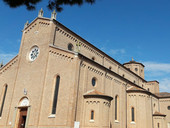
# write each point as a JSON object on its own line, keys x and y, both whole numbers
{"x": 60, "y": 80}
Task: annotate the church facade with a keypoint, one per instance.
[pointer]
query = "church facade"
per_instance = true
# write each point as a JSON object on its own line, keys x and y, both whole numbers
{"x": 59, "y": 80}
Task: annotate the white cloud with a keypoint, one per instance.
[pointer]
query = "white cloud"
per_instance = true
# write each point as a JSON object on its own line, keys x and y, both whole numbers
{"x": 6, "y": 57}
{"x": 153, "y": 66}
{"x": 159, "y": 72}
{"x": 165, "y": 85}
{"x": 117, "y": 51}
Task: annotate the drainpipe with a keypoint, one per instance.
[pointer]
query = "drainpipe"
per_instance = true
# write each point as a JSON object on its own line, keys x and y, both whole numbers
{"x": 78, "y": 83}
{"x": 126, "y": 104}
{"x": 152, "y": 113}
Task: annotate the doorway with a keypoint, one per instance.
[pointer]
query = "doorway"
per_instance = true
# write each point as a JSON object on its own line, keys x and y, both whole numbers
{"x": 22, "y": 117}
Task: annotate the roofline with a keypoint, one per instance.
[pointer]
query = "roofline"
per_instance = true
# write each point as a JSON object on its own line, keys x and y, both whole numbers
{"x": 142, "y": 91}
{"x": 58, "y": 23}
{"x": 98, "y": 96}
{"x": 153, "y": 81}
{"x": 159, "y": 115}
{"x": 134, "y": 62}
{"x": 101, "y": 52}
{"x": 163, "y": 97}
{"x": 37, "y": 19}
{"x": 106, "y": 69}
{"x": 8, "y": 62}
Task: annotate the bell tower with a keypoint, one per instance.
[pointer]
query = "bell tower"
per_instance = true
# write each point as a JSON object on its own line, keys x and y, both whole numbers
{"x": 136, "y": 67}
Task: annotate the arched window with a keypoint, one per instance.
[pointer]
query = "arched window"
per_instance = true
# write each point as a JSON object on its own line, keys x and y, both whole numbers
{"x": 133, "y": 114}
{"x": 92, "y": 115}
{"x": 158, "y": 125}
{"x": 116, "y": 107}
{"x": 70, "y": 47}
{"x": 3, "y": 99}
{"x": 57, "y": 82}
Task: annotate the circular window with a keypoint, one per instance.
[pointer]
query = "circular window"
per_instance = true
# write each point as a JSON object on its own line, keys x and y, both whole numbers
{"x": 168, "y": 107}
{"x": 93, "y": 81}
{"x": 34, "y": 52}
{"x": 110, "y": 68}
{"x": 70, "y": 47}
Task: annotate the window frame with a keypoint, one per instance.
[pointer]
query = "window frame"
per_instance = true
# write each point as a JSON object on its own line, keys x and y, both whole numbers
{"x": 116, "y": 108}
{"x": 3, "y": 97}
{"x": 70, "y": 45}
{"x": 132, "y": 114}
{"x": 94, "y": 79}
{"x": 55, "y": 94}
{"x": 92, "y": 115}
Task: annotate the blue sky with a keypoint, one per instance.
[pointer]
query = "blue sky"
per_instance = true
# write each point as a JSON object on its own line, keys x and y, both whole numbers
{"x": 121, "y": 28}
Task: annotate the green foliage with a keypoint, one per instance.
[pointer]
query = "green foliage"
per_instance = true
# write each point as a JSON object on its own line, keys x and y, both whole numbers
{"x": 52, "y": 4}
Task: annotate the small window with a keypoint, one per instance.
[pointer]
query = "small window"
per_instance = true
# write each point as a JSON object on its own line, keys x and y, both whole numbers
{"x": 123, "y": 75}
{"x": 158, "y": 125}
{"x": 70, "y": 47}
{"x": 93, "y": 81}
{"x": 136, "y": 69}
{"x": 134, "y": 81}
{"x": 154, "y": 105}
{"x": 133, "y": 114}
{"x": 110, "y": 68}
{"x": 92, "y": 115}
{"x": 148, "y": 89}
{"x": 116, "y": 108}
{"x": 168, "y": 107}
{"x": 93, "y": 58}
{"x": 55, "y": 97}
{"x": 3, "y": 99}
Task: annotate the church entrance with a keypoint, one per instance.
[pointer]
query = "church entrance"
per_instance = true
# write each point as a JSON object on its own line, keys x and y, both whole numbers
{"x": 22, "y": 117}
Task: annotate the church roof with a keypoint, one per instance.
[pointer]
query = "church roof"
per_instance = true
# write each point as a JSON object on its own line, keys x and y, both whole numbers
{"x": 97, "y": 94}
{"x": 134, "y": 88}
{"x": 163, "y": 95}
{"x": 94, "y": 92}
{"x": 134, "y": 62}
{"x": 158, "y": 114}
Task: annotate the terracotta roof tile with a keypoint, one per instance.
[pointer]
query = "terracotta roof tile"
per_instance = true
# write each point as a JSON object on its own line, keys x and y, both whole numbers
{"x": 158, "y": 114}
{"x": 134, "y": 88}
{"x": 94, "y": 92}
{"x": 163, "y": 94}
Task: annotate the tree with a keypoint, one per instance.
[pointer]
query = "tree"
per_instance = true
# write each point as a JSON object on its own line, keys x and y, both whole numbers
{"x": 52, "y": 4}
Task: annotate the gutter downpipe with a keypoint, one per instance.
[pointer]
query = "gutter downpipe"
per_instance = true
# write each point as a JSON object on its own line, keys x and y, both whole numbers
{"x": 78, "y": 88}
{"x": 152, "y": 112}
{"x": 126, "y": 103}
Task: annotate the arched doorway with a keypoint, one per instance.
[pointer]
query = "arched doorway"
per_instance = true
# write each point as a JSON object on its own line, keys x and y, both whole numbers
{"x": 22, "y": 113}
{"x": 22, "y": 117}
